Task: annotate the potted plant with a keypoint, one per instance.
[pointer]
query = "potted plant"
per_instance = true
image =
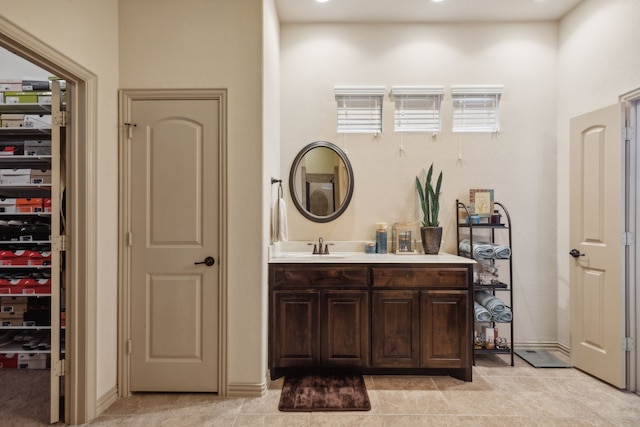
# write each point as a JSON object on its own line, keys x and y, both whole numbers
{"x": 431, "y": 232}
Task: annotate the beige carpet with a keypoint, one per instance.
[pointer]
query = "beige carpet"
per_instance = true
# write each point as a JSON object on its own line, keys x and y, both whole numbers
{"x": 24, "y": 394}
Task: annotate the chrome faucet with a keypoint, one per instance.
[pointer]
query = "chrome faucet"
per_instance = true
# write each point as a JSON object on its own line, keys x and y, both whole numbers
{"x": 318, "y": 249}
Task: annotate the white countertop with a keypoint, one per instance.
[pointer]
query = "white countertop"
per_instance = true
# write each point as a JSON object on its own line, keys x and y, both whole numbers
{"x": 346, "y": 252}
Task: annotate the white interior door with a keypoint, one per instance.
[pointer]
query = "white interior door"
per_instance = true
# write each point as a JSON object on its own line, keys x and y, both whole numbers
{"x": 597, "y": 211}
{"x": 174, "y": 152}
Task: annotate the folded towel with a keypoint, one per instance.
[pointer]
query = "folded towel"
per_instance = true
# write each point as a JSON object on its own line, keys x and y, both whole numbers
{"x": 505, "y": 317}
{"x": 480, "y": 313}
{"x": 490, "y": 302}
{"x": 501, "y": 252}
{"x": 484, "y": 250}
{"x": 279, "y": 229}
{"x": 498, "y": 310}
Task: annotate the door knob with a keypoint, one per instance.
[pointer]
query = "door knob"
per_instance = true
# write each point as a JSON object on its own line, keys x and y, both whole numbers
{"x": 575, "y": 253}
{"x": 209, "y": 261}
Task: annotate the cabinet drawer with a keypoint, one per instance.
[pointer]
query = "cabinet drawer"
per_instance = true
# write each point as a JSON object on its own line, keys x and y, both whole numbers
{"x": 411, "y": 277}
{"x": 295, "y": 275}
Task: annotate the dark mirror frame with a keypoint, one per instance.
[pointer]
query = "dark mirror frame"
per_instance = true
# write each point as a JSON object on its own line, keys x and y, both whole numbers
{"x": 300, "y": 205}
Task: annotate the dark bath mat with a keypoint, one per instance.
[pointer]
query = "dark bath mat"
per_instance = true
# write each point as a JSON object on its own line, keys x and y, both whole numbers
{"x": 330, "y": 392}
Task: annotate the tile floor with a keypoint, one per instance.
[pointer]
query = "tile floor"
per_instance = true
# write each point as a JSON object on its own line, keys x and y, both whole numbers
{"x": 500, "y": 395}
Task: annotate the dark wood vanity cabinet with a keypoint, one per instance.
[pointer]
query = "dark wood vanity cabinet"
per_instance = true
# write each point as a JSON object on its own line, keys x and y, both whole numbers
{"x": 389, "y": 318}
{"x": 319, "y": 317}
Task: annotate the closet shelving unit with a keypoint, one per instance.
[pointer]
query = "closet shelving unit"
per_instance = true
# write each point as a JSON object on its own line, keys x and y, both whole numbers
{"x": 502, "y": 287}
{"x": 32, "y": 244}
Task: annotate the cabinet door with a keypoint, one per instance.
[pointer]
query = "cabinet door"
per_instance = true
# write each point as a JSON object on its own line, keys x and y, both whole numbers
{"x": 394, "y": 322}
{"x": 445, "y": 331}
{"x": 295, "y": 337}
{"x": 345, "y": 328}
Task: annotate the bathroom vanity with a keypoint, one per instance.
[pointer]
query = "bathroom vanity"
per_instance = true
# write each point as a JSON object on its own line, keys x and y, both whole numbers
{"x": 371, "y": 313}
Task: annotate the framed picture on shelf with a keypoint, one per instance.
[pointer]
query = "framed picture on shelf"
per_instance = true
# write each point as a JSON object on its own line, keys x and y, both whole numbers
{"x": 482, "y": 201}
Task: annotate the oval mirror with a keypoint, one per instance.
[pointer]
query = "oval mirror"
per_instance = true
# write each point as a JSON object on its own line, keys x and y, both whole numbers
{"x": 321, "y": 181}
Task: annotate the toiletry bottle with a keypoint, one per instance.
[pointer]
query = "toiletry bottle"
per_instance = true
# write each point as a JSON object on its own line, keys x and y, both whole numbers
{"x": 496, "y": 217}
{"x": 381, "y": 238}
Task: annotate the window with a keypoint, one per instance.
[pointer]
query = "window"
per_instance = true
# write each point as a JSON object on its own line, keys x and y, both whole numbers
{"x": 359, "y": 109}
{"x": 417, "y": 108}
{"x": 475, "y": 108}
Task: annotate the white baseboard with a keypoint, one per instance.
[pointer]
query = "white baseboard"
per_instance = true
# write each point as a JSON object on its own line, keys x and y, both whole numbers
{"x": 106, "y": 400}
{"x": 246, "y": 389}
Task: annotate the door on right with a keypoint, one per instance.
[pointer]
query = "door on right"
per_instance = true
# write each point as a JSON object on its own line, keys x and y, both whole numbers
{"x": 597, "y": 247}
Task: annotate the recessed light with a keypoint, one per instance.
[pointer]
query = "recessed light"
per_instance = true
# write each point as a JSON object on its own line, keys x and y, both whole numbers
{"x": 322, "y": 1}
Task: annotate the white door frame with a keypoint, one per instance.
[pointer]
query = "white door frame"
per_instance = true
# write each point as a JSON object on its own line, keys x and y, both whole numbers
{"x": 125, "y": 97}
{"x": 80, "y": 346}
{"x": 632, "y": 104}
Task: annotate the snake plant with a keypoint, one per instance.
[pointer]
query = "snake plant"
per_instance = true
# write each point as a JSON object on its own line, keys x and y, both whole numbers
{"x": 430, "y": 199}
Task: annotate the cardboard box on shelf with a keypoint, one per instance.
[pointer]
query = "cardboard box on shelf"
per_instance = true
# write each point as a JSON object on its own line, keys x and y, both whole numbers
{"x": 32, "y": 361}
{"x": 21, "y": 97}
{"x": 8, "y": 361}
{"x": 15, "y": 176}
{"x": 37, "y": 148}
{"x": 30, "y": 85}
{"x": 40, "y": 176}
{"x": 29, "y": 205}
{"x": 9, "y": 123}
{"x": 10, "y": 85}
{"x": 8, "y": 205}
{"x": 37, "y": 121}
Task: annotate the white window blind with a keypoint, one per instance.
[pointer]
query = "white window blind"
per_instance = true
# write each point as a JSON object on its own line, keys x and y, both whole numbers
{"x": 359, "y": 109}
{"x": 475, "y": 108}
{"x": 417, "y": 108}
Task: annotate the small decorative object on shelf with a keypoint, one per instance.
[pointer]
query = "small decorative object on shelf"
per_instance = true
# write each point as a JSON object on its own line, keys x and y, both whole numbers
{"x": 404, "y": 235}
{"x": 488, "y": 241}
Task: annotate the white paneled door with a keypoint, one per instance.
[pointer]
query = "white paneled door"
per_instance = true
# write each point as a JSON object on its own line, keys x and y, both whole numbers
{"x": 174, "y": 206}
{"x": 597, "y": 272}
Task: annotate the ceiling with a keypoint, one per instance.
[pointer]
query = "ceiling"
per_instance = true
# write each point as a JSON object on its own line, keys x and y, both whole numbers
{"x": 291, "y": 11}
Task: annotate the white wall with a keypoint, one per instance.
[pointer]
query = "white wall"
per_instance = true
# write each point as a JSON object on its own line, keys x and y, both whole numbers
{"x": 599, "y": 60}
{"x": 216, "y": 44}
{"x": 90, "y": 39}
{"x": 271, "y": 138}
{"x": 519, "y": 163}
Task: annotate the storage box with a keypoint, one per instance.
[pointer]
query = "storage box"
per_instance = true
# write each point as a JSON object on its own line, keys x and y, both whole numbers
{"x": 29, "y": 205}
{"x": 10, "y": 85}
{"x": 40, "y": 176}
{"x": 8, "y": 361}
{"x": 15, "y": 97}
{"x": 37, "y": 148}
{"x": 37, "y": 121}
{"x": 15, "y": 176}
{"x": 8, "y": 205}
{"x": 8, "y": 123}
{"x": 10, "y": 322}
{"x": 14, "y": 300}
{"x": 32, "y": 361}
{"x": 13, "y": 311}
{"x": 31, "y": 85}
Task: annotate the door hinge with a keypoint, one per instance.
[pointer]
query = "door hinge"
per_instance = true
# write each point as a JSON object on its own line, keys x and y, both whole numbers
{"x": 129, "y": 238}
{"x": 59, "y": 243}
{"x": 629, "y": 344}
{"x": 59, "y": 369}
{"x": 628, "y": 238}
{"x": 129, "y": 347}
{"x": 60, "y": 118}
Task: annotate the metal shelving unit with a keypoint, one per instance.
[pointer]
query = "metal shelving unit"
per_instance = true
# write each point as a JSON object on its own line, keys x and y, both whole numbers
{"x": 503, "y": 286}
